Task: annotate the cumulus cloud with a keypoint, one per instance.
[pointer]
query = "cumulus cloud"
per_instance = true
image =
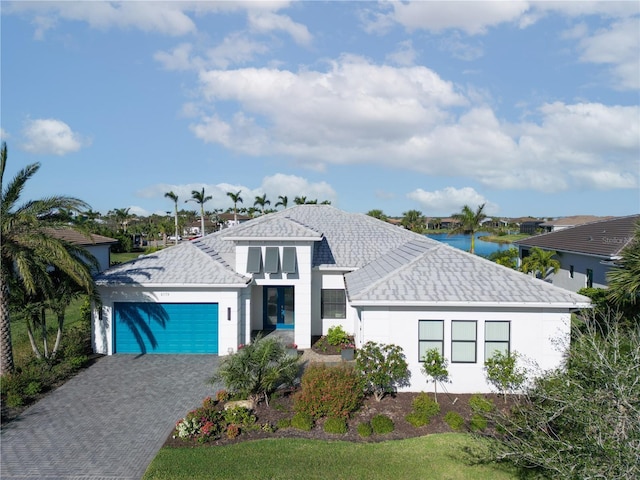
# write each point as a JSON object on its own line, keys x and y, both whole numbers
{"x": 264, "y": 22}
{"x": 405, "y": 55}
{"x": 49, "y": 136}
{"x": 450, "y": 200}
{"x": 4, "y": 135}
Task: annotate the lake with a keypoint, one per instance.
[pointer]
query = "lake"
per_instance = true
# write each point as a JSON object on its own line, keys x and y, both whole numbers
{"x": 463, "y": 242}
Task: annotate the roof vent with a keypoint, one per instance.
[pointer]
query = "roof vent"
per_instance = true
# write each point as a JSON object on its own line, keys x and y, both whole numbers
{"x": 590, "y": 239}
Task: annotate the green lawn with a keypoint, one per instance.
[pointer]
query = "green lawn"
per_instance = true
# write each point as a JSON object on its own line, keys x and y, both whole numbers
{"x": 504, "y": 238}
{"x": 435, "y": 457}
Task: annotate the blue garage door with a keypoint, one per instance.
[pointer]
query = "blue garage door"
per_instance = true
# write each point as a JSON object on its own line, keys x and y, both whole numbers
{"x": 142, "y": 327}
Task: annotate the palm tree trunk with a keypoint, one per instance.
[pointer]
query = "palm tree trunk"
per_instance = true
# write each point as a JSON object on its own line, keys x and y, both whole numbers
{"x": 32, "y": 340}
{"x": 43, "y": 326}
{"x": 6, "y": 348}
{"x": 58, "y": 335}
{"x": 473, "y": 243}
{"x": 202, "y": 220}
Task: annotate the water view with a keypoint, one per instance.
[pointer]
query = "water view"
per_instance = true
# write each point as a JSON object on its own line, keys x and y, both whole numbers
{"x": 463, "y": 242}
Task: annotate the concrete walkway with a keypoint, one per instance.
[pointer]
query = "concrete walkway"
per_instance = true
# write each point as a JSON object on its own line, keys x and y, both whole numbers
{"x": 108, "y": 422}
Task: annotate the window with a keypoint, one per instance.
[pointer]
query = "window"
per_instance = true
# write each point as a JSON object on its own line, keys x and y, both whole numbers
{"x": 289, "y": 261}
{"x": 589, "y": 278}
{"x": 334, "y": 303}
{"x": 430, "y": 335}
{"x": 463, "y": 341}
{"x": 254, "y": 260}
{"x": 272, "y": 260}
{"x": 496, "y": 338}
{"x": 570, "y": 271}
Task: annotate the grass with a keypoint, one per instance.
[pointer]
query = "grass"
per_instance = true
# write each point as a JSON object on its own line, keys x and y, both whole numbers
{"x": 441, "y": 456}
{"x": 124, "y": 257}
{"x": 505, "y": 238}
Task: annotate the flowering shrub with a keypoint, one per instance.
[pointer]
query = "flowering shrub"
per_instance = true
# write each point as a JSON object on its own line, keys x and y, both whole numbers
{"x": 329, "y": 392}
{"x": 233, "y": 430}
{"x": 222, "y": 395}
{"x": 202, "y": 423}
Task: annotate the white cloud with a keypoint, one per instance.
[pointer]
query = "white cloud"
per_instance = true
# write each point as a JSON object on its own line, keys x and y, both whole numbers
{"x": 293, "y": 186}
{"x": 4, "y": 135}
{"x": 460, "y": 49}
{"x": 179, "y": 58}
{"x": 264, "y": 22}
{"x": 405, "y": 55}
{"x": 450, "y": 200}
{"x": 49, "y": 136}
{"x": 605, "y": 179}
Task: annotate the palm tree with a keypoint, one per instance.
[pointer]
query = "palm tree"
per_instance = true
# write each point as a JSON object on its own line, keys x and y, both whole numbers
{"x": 201, "y": 199}
{"x": 300, "y": 200}
{"x": 469, "y": 222}
{"x": 174, "y": 197}
{"x": 282, "y": 200}
{"x": 379, "y": 214}
{"x": 413, "y": 220}
{"x": 540, "y": 263}
{"x": 235, "y": 198}
{"x": 624, "y": 280}
{"x": 122, "y": 217}
{"x": 261, "y": 201}
{"x": 28, "y": 251}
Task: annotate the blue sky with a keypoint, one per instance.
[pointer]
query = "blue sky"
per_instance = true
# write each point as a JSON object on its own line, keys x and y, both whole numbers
{"x": 531, "y": 107}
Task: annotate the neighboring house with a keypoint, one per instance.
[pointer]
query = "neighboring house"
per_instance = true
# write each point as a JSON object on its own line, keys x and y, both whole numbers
{"x": 231, "y": 220}
{"x": 310, "y": 267}
{"x": 585, "y": 252}
{"x": 528, "y": 225}
{"x": 568, "y": 222}
{"x": 97, "y": 245}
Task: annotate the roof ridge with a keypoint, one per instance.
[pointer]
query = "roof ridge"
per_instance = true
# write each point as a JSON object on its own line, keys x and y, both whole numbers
{"x": 214, "y": 256}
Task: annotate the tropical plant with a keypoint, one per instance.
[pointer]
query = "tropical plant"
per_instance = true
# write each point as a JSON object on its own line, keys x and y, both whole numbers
{"x": 282, "y": 201}
{"x": 379, "y": 214}
{"x": 123, "y": 217}
{"x": 383, "y": 368}
{"x": 29, "y": 251}
{"x": 174, "y": 197}
{"x": 506, "y": 258}
{"x": 300, "y": 200}
{"x": 261, "y": 201}
{"x": 624, "y": 279}
{"x": 235, "y": 198}
{"x": 413, "y": 220}
{"x": 540, "y": 263}
{"x": 257, "y": 369}
{"x": 200, "y": 198}
{"x": 469, "y": 222}
{"x": 434, "y": 366}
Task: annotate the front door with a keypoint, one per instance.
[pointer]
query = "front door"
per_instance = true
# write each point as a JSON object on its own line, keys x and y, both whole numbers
{"x": 278, "y": 307}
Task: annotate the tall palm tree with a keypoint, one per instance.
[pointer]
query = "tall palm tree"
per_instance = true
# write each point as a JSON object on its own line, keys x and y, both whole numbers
{"x": 540, "y": 263}
{"x": 201, "y": 199}
{"x": 28, "y": 251}
{"x": 300, "y": 200}
{"x": 235, "y": 198}
{"x": 282, "y": 200}
{"x": 469, "y": 222}
{"x": 262, "y": 201}
{"x": 123, "y": 217}
{"x": 624, "y": 280}
{"x": 174, "y": 197}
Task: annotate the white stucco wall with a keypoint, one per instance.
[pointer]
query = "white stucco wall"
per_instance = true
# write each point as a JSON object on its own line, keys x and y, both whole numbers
{"x": 535, "y": 334}
{"x": 229, "y": 331}
{"x": 101, "y": 252}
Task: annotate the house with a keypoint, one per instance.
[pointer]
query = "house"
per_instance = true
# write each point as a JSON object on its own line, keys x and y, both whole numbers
{"x": 586, "y": 252}
{"x": 567, "y": 222}
{"x": 230, "y": 219}
{"x": 310, "y": 267}
{"x": 528, "y": 225}
{"x": 98, "y": 245}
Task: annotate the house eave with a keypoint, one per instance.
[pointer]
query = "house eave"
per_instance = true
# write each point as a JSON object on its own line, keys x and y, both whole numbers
{"x": 379, "y": 303}
{"x": 273, "y": 239}
{"x": 174, "y": 285}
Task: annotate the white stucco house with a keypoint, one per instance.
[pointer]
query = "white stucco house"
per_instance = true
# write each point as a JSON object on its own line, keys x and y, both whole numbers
{"x": 310, "y": 267}
{"x": 97, "y": 245}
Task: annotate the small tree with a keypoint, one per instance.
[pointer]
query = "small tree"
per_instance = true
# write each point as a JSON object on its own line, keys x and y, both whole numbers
{"x": 257, "y": 369}
{"x": 435, "y": 367}
{"x": 503, "y": 373}
{"x": 383, "y": 367}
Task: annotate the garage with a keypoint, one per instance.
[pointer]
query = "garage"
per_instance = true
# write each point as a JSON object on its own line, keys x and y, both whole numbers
{"x": 147, "y": 327}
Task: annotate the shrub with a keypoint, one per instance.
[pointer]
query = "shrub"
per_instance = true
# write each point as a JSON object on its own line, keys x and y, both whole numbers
{"x": 383, "y": 368}
{"x": 222, "y": 395}
{"x": 257, "y": 369}
{"x": 454, "y": 420}
{"x": 477, "y": 422}
{"x": 337, "y": 336}
{"x": 33, "y": 389}
{"x": 202, "y": 423}
{"x": 14, "y": 399}
{"x": 364, "y": 429}
{"x": 302, "y": 421}
{"x": 503, "y": 373}
{"x": 335, "y": 425}
{"x": 329, "y": 391}
{"x": 416, "y": 419}
{"x": 381, "y": 424}
{"x": 233, "y": 430}
{"x": 283, "y": 423}
{"x": 425, "y": 405}
{"x": 267, "y": 427}
{"x": 480, "y": 404}
{"x": 239, "y": 416}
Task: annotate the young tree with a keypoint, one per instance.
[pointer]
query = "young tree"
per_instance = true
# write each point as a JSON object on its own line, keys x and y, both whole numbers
{"x": 200, "y": 199}
{"x": 503, "y": 373}
{"x": 235, "y": 198}
{"x": 28, "y": 250}
{"x": 540, "y": 263}
{"x": 174, "y": 197}
{"x": 262, "y": 202}
{"x": 469, "y": 222}
{"x": 434, "y": 366}
{"x": 383, "y": 368}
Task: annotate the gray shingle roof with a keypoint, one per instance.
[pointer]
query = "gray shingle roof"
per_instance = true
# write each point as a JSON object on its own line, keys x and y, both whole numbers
{"x": 604, "y": 238}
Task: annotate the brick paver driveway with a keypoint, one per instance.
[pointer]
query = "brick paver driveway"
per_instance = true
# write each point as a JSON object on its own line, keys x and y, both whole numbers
{"x": 108, "y": 422}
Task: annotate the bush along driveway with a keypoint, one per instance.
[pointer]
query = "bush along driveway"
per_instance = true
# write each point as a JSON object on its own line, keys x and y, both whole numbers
{"x": 107, "y": 422}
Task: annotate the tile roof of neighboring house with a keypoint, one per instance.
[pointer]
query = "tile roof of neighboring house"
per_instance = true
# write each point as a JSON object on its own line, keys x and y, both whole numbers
{"x": 605, "y": 238}
{"x": 572, "y": 221}
{"x": 79, "y": 238}
{"x": 388, "y": 264}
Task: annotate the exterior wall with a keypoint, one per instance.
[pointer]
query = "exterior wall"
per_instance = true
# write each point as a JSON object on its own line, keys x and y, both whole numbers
{"x": 102, "y": 254}
{"x": 301, "y": 281}
{"x": 535, "y": 334}
{"x": 228, "y": 330}
{"x": 336, "y": 280}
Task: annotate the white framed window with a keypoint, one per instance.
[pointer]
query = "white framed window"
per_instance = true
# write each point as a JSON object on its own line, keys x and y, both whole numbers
{"x": 463, "y": 341}
{"x": 430, "y": 335}
{"x": 497, "y": 338}
{"x": 333, "y": 303}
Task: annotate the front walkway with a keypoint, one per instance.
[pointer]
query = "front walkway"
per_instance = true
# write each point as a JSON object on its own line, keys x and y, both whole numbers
{"x": 108, "y": 422}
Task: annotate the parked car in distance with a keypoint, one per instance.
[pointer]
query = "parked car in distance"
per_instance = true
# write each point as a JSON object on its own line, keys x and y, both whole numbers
{"x": 173, "y": 238}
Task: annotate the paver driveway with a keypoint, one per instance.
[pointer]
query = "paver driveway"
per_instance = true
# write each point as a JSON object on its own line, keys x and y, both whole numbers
{"x": 108, "y": 422}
